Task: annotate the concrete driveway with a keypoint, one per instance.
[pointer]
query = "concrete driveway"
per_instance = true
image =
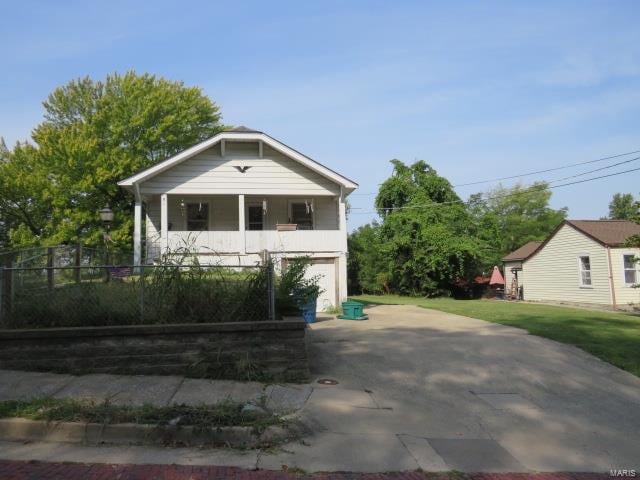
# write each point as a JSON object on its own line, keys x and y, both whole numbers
{"x": 425, "y": 389}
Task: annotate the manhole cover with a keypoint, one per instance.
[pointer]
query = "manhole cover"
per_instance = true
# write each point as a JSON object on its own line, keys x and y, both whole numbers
{"x": 327, "y": 381}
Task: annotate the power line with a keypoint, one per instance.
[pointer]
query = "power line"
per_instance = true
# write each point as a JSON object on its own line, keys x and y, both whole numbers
{"x": 547, "y": 170}
{"x": 527, "y": 190}
{"x": 536, "y": 187}
{"x": 562, "y": 167}
{"x": 595, "y": 170}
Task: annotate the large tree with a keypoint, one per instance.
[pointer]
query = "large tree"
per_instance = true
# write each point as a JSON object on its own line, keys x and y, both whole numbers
{"x": 95, "y": 133}
{"x": 426, "y": 236}
{"x": 507, "y": 218}
{"x": 624, "y": 207}
{"x": 366, "y": 272}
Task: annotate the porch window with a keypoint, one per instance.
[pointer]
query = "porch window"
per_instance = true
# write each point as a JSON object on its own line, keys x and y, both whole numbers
{"x": 302, "y": 214}
{"x": 584, "y": 263}
{"x": 256, "y": 217}
{"x": 630, "y": 270}
{"x": 197, "y": 217}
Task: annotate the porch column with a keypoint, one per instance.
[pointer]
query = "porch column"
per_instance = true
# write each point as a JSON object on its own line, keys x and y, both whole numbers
{"x": 342, "y": 259}
{"x": 342, "y": 223}
{"x": 243, "y": 239}
{"x": 137, "y": 232}
{"x": 164, "y": 224}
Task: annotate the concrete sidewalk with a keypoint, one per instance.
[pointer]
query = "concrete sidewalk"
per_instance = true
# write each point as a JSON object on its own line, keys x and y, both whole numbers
{"x": 151, "y": 390}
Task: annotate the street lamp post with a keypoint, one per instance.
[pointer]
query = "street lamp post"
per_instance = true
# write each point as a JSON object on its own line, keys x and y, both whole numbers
{"x": 106, "y": 216}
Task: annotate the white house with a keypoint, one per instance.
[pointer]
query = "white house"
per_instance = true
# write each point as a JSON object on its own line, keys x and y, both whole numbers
{"x": 584, "y": 262}
{"x": 239, "y": 195}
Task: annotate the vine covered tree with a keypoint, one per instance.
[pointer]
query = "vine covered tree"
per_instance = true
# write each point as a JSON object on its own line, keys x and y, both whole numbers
{"x": 426, "y": 235}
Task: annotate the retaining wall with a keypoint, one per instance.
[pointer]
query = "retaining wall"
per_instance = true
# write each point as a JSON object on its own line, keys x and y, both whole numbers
{"x": 266, "y": 350}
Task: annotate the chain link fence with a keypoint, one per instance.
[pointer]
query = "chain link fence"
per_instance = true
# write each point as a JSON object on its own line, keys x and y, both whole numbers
{"x": 81, "y": 294}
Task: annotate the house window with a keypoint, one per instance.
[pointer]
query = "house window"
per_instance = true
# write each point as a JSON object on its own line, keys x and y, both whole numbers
{"x": 197, "y": 217}
{"x": 630, "y": 270}
{"x": 256, "y": 217}
{"x": 585, "y": 270}
{"x": 302, "y": 215}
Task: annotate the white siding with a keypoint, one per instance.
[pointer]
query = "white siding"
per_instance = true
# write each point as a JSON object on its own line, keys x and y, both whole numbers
{"x": 624, "y": 294}
{"x": 553, "y": 273}
{"x": 325, "y": 210}
{"x": 211, "y": 173}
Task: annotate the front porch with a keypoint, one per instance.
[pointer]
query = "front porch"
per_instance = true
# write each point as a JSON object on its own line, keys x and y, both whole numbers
{"x": 240, "y": 224}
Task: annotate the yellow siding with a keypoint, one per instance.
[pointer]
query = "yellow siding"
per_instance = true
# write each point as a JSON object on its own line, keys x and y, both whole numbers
{"x": 553, "y": 273}
{"x": 210, "y": 172}
{"x": 625, "y": 295}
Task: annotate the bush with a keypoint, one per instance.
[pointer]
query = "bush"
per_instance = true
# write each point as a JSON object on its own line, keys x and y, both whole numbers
{"x": 293, "y": 290}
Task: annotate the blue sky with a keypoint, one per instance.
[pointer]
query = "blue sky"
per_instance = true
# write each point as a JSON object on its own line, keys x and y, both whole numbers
{"x": 477, "y": 89}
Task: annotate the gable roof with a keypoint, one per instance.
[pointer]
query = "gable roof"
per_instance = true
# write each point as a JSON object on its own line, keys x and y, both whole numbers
{"x": 242, "y": 129}
{"x": 610, "y": 233}
{"x": 239, "y": 133}
{"x": 524, "y": 252}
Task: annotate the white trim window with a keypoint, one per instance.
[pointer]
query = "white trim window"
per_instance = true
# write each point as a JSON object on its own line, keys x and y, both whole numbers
{"x": 197, "y": 217}
{"x": 630, "y": 269}
{"x": 584, "y": 265}
{"x": 255, "y": 216}
{"x": 301, "y": 213}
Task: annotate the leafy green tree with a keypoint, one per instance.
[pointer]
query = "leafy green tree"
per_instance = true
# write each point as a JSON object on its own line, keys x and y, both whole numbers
{"x": 507, "y": 218}
{"x": 94, "y": 134}
{"x": 25, "y": 206}
{"x": 426, "y": 236}
{"x": 624, "y": 207}
{"x": 365, "y": 264}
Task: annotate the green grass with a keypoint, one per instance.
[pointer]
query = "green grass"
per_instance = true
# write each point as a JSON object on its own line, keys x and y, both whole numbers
{"x": 612, "y": 337}
{"x": 226, "y": 414}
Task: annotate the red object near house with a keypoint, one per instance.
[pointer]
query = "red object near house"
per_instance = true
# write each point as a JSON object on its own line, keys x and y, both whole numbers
{"x": 496, "y": 277}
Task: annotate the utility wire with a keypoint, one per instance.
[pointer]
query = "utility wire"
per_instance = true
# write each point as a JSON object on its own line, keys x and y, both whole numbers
{"x": 535, "y": 187}
{"x": 527, "y": 190}
{"x": 594, "y": 170}
{"x": 547, "y": 170}
{"x": 562, "y": 167}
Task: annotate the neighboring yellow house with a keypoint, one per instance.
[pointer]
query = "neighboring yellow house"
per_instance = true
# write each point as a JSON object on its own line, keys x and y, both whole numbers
{"x": 513, "y": 267}
{"x": 583, "y": 262}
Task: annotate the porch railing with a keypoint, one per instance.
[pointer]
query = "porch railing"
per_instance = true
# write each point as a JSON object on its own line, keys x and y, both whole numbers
{"x": 257, "y": 241}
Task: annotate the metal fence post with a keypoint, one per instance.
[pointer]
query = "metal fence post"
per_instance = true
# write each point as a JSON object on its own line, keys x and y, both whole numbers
{"x": 271, "y": 291}
{"x": 2, "y": 302}
{"x": 141, "y": 293}
{"x": 77, "y": 260}
{"x": 6, "y": 290}
{"x": 107, "y": 260}
{"x": 50, "y": 258}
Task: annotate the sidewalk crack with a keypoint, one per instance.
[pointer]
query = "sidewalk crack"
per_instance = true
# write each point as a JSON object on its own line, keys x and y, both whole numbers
{"x": 175, "y": 391}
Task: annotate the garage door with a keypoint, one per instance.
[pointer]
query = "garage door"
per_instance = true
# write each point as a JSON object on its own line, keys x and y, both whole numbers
{"x": 326, "y": 269}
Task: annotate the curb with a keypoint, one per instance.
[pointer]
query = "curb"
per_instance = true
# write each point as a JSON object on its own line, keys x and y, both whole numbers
{"x": 21, "y": 430}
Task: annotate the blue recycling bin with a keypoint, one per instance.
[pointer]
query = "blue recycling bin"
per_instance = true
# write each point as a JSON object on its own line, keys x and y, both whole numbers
{"x": 309, "y": 312}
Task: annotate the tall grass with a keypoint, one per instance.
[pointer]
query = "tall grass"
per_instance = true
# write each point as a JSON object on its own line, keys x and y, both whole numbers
{"x": 180, "y": 291}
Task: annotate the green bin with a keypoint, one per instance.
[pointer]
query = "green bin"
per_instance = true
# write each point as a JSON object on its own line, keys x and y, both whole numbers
{"x": 352, "y": 311}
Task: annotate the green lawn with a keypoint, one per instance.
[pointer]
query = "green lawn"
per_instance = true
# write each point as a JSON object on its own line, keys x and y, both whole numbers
{"x": 613, "y": 337}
